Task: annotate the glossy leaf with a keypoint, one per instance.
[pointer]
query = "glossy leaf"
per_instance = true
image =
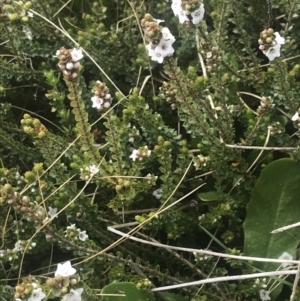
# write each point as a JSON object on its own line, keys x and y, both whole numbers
{"x": 275, "y": 203}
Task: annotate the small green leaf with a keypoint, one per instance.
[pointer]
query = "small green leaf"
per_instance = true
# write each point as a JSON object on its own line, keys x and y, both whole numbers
{"x": 210, "y": 196}
{"x": 131, "y": 292}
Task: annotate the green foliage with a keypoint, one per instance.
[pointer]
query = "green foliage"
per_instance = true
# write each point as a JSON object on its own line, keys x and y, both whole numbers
{"x": 184, "y": 147}
{"x": 127, "y": 291}
{"x": 275, "y": 193}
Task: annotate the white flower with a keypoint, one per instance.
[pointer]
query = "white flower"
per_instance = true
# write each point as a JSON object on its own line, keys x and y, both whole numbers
{"x": 279, "y": 39}
{"x": 157, "y": 57}
{"x": 97, "y": 102}
{"x": 73, "y": 295}
{"x": 160, "y": 51}
{"x": 295, "y": 116}
{"x": 273, "y": 52}
{"x": 64, "y": 270}
{"x": 37, "y": 295}
{"x": 83, "y": 236}
{"x": 76, "y": 54}
{"x": 30, "y": 14}
{"x": 72, "y": 227}
{"x": 285, "y": 256}
{"x": 264, "y": 295}
{"x": 178, "y": 11}
{"x": 151, "y": 49}
{"x": 93, "y": 170}
{"x": 176, "y": 6}
{"x": 52, "y": 211}
{"x": 165, "y": 48}
{"x": 198, "y": 14}
{"x": 18, "y": 246}
{"x": 134, "y": 154}
{"x": 167, "y": 34}
{"x": 182, "y": 16}
{"x": 57, "y": 52}
{"x": 157, "y": 193}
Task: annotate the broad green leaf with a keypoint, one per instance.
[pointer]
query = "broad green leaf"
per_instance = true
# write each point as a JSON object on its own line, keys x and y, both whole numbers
{"x": 173, "y": 297}
{"x": 210, "y": 196}
{"x": 128, "y": 291}
{"x": 275, "y": 203}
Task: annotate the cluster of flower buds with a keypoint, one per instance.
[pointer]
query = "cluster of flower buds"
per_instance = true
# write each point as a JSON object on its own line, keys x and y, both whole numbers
{"x": 33, "y": 126}
{"x": 212, "y": 58}
{"x": 168, "y": 93}
{"x": 265, "y": 103}
{"x": 140, "y": 153}
{"x": 200, "y": 161}
{"x": 89, "y": 172}
{"x": 270, "y": 43}
{"x": 201, "y": 256}
{"x": 15, "y": 10}
{"x": 276, "y": 128}
{"x": 101, "y": 99}
{"x": 160, "y": 39}
{"x": 29, "y": 285}
{"x": 188, "y": 10}
{"x": 69, "y": 62}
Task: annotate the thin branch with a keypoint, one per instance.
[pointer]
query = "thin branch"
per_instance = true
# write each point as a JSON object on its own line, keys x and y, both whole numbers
{"x": 262, "y": 147}
{"x": 226, "y": 278}
{"x": 207, "y": 252}
{"x": 295, "y": 285}
{"x": 286, "y": 228}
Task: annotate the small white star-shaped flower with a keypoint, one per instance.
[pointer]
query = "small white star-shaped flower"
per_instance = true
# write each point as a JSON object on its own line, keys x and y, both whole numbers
{"x": 73, "y": 295}
{"x": 273, "y": 52}
{"x": 72, "y": 227}
{"x": 279, "y": 39}
{"x": 52, "y": 212}
{"x": 134, "y": 154}
{"x": 82, "y": 235}
{"x": 182, "y": 16}
{"x": 165, "y": 48}
{"x": 93, "y": 169}
{"x": 198, "y": 14}
{"x": 167, "y": 34}
{"x": 37, "y": 295}
{"x": 76, "y": 54}
{"x": 64, "y": 270}
{"x": 158, "y": 193}
{"x": 97, "y": 102}
{"x": 285, "y": 256}
{"x": 264, "y": 295}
